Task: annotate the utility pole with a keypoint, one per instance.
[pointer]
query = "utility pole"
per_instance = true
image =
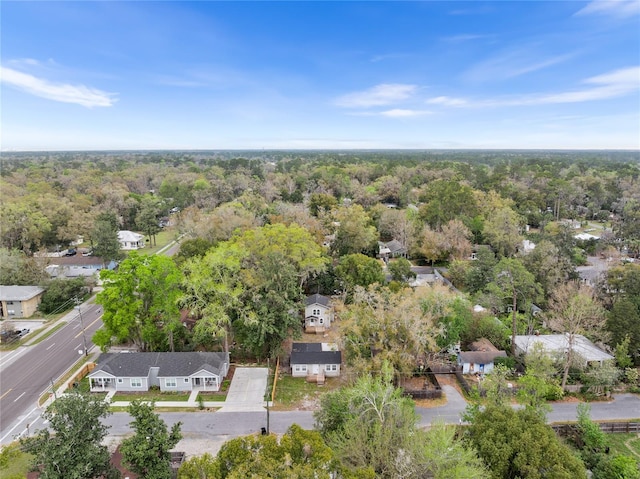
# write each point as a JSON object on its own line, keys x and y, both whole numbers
{"x": 84, "y": 338}
{"x": 53, "y": 388}
{"x": 268, "y": 375}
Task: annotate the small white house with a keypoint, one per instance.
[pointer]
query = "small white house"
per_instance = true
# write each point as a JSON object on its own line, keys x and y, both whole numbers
{"x": 130, "y": 240}
{"x": 318, "y": 313}
{"x": 480, "y": 360}
{"x": 315, "y": 361}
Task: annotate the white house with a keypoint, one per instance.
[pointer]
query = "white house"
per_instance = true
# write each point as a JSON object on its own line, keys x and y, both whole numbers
{"x": 318, "y": 313}
{"x": 182, "y": 371}
{"x": 315, "y": 361}
{"x": 481, "y": 357}
{"x": 129, "y": 240}
{"x": 559, "y": 343}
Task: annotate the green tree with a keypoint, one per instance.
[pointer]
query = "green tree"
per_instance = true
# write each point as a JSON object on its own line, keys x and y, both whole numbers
{"x": 104, "y": 238}
{"x": 147, "y": 217}
{"x": 147, "y": 452}
{"x": 23, "y": 226}
{"x": 140, "y": 302}
{"x": 446, "y": 200}
{"x": 400, "y": 270}
{"x": 200, "y": 467}
{"x": 519, "y": 445}
{"x": 319, "y": 202}
{"x": 71, "y": 447}
{"x": 355, "y": 233}
{"x": 358, "y": 270}
{"x": 538, "y": 383}
{"x": 512, "y": 281}
{"x": 59, "y": 292}
{"x": 371, "y": 424}
{"x": 19, "y": 269}
{"x": 502, "y": 230}
{"x": 622, "y": 290}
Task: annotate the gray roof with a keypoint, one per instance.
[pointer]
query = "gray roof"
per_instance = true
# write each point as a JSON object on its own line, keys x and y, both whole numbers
{"x": 480, "y": 357}
{"x": 317, "y": 299}
{"x": 313, "y": 353}
{"x": 395, "y": 246}
{"x": 19, "y": 293}
{"x": 168, "y": 364}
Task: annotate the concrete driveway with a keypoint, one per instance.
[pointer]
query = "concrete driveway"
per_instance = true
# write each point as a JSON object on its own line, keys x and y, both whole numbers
{"x": 247, "y": 390}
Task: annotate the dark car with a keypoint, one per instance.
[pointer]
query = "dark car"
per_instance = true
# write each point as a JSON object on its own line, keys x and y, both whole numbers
{"x": 71, "y": 252}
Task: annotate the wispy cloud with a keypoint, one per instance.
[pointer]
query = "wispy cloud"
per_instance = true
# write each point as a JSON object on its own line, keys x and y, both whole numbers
{"x": 467, "y": 37}
{"x": 472, "y": 11}
{"x": 388, "y": 56}
{"x": 379, "y": 95}
{"x": 62, "y": 92}
{"x": 613, "y": 84}
{"x": 511, "y": 64}
{"x": 403, "y": 113}
{"x": 447, "y": 101}
{"x": 615, "y": 8}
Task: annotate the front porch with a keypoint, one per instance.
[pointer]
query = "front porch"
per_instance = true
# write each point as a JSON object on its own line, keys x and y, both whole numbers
{"x": 205, "y": 383}
{"x": 102, "y": 384}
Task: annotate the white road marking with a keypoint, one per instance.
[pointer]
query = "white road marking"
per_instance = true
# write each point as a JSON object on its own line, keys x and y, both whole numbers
{"x": 52, "y": 345}
{"x": 16, "y": 399}
{"x": 21, "y": 421}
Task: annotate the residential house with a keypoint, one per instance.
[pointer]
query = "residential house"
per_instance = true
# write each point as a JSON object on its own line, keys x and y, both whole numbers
{"x": 130, "y": 240}
{"x": 391, "y": 249}
{"x": 77, "y": 266}
{"x": 318, "y": 314}
{"x": 19, "y": 301}
{"x": 480, "y": 357}
{"x": 315, "y": 361}
{"x": 184, "y": 371}
{"x": 557, "y": 344}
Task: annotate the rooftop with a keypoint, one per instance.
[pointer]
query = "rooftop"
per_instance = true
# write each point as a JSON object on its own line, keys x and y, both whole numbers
{"x": 19, "y": 293}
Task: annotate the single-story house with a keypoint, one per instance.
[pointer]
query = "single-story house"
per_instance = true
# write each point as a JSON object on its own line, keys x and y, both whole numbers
{"x": 480, "y": 358}
{"x": 318, "y": 313}
{"x": 315, "y": 361}
{"x": 19, "y": 301}
{"x": 130, "y": 240}
{"x": 184, "y": 371}
{"x": 559, "y": 343}
{"x": 391, "y": 249}
{"x": 76, "y": 266}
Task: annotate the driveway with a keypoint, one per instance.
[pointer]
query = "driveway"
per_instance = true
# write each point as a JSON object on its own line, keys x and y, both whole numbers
{"x": 247, "y": 390}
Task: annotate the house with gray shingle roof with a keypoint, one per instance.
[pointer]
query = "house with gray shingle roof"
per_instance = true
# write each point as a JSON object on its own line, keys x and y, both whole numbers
{"x": 184, "y": 371}
{"x": 315, "y": 361}
{"x": 318, "y": 314}
{"x": 19, "y": 301}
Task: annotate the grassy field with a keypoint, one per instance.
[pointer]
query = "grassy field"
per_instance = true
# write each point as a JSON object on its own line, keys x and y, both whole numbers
{"x": 627, "y": 444}
{"x": 162, "y": 239}
{"x": 151, "y": 396}
{"x": 297, "y": 393}
{"x": 14, "y": 464}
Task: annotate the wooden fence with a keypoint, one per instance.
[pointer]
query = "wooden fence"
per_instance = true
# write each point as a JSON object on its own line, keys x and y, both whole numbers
{"x": 430, "y": 390}
{"x": 566, "y": 430}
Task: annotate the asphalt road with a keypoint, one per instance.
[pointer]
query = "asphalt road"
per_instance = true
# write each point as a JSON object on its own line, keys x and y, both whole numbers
{"x": 26, "y": 373}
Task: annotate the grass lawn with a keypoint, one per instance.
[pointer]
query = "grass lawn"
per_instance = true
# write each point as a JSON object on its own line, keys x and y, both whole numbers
{"x": 297, "y": 393}
{"x": 151, "y": 396}
{"x": 162, "y": 239}
{"x": 212, "y": 397}
{"x": 627, "y": 444}
{"x": 14, "y": 463}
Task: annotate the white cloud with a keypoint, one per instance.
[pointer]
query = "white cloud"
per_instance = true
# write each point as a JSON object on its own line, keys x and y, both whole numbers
{"x": 601, "y": 87}
{"x": 62, "y": 92}
{"x": 379, "y": 95}
{"x": 466, "y": 37}
{"x": 447, "y": 101}
{"x": 512, "y": 63}
{"x": 615, "y": 8}
{"x": 403, "y": 113}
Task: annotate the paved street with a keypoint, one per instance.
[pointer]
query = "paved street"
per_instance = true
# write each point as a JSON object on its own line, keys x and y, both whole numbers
{"x": 28, "y": 371}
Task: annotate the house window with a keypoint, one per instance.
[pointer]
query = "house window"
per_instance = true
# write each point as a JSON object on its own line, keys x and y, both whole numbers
{"x": 120, "y": 380}
{"x": 316, "y": 312}
{"x": 321, "y": 321}
{"x": 186, "y": 380}
{"x": 136, "y": 382}
{"x": 301, "y": 368}
{"x": 330, "y": 367}
{"x": 170, "y": 383}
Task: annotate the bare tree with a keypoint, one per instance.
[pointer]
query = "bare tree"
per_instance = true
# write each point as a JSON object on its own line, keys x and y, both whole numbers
{"x": 573, "y": 310}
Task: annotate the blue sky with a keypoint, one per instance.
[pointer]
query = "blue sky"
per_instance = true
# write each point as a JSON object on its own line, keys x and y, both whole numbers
{"x": 309, "y": 75}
